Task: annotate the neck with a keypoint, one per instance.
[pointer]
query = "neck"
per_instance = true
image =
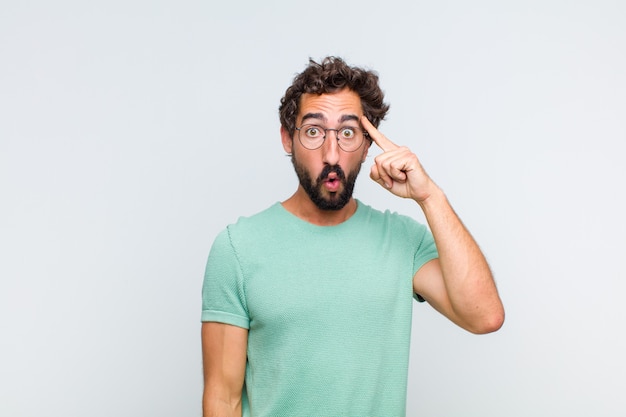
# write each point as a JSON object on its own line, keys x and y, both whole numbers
{"x": 300, "y": 205}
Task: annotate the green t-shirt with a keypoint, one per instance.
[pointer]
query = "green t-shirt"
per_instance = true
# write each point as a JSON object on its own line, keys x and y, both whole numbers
{"x": 328, "y": 309}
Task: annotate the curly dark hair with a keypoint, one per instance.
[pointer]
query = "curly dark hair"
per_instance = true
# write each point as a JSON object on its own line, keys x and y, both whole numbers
{"x": 329, "y": 76}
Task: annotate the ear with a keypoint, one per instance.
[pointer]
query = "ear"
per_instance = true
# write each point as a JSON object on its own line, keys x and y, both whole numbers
{"x": 287, "y": 140}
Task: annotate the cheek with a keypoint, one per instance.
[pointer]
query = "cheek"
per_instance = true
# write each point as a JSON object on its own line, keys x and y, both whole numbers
{"x": 366, "y": 148}
{"x": 353, "y": 163}
{"x": 306, "y": 160}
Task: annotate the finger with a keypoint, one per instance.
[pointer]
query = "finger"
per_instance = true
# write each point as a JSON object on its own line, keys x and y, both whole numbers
{"x": 392, "y": 166}
{"x": 375, "y": 174}
{"x": 378, "y": 138}
{"x": 380, "y": 174}
{"x": 395, "y": 164}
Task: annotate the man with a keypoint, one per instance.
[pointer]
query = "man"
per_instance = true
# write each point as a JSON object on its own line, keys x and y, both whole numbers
{"x": 307, "y": 305}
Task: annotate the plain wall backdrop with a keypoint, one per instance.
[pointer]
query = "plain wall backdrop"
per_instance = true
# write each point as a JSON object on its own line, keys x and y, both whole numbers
{"x": 132, "y": 132}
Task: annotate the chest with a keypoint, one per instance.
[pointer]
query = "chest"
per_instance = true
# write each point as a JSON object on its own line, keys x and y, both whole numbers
{"x": 338, "y": 282}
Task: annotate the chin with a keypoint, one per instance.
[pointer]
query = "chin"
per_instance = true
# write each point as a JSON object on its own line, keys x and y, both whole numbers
{"x": 333, "y": 203}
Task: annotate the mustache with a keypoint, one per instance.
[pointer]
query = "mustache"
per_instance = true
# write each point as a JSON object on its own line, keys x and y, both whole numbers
{"x": 331, "y": 168}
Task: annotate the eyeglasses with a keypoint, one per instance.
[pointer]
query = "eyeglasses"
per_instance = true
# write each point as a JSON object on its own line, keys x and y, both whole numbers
{"x": 349, "y": 138}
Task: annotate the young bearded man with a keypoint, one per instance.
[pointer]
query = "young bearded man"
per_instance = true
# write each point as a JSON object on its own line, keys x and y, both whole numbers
{"x": 307, "y": 305}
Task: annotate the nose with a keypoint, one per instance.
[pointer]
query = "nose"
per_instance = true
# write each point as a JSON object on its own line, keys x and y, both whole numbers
{"x": 330, "y": 148}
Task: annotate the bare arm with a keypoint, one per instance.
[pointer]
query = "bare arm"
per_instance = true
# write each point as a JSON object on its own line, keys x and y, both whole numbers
{"x": 224, "y": 359}
{"x": 459, "y": 284}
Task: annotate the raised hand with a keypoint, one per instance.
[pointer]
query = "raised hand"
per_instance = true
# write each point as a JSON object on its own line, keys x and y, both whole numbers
{"x": 398, "y": 169}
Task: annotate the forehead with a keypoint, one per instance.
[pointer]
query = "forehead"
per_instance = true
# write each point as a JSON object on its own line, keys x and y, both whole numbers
{"x": 331, "y": 106}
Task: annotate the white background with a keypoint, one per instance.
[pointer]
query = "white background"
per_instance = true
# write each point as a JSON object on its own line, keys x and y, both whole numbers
{"x": 132, "y": 132}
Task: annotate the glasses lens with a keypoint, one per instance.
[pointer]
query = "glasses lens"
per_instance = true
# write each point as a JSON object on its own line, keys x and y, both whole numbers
{"x": 313, "y": 136}
{"x": 350, "y": 138}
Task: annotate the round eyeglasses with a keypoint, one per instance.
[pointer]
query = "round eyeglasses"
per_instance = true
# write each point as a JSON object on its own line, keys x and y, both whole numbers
{"x": 349, "y": 138}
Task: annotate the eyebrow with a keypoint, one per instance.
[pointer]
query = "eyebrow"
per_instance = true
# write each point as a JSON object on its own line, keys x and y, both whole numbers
{"x": 321, "y": 117}
{"x": 318, "y": 116}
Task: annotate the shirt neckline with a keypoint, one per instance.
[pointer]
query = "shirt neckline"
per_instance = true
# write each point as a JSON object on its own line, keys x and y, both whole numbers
{"x": 297, "y": 220}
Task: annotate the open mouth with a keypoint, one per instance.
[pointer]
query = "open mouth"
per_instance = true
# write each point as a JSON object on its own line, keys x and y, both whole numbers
{"x": 331, "y": 178}
{"x": 332, "y": 182}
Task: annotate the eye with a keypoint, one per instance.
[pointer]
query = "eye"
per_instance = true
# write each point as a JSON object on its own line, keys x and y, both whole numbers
{"x": 348, "y": 133}
{"x": 313, "y": 131}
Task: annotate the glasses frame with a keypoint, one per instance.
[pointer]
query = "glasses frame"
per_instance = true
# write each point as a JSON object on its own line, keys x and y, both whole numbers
{"x": 357, "y": 128}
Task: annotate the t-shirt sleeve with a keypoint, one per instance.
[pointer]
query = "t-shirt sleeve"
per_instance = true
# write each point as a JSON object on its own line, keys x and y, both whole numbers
{"x": 223, "y": 297}
{"x": 426, "y": 251}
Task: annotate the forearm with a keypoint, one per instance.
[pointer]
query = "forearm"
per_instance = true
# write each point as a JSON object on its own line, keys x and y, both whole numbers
{"x": 219, "y": 406}
{"x": 224, "y": 350}
{"x": 468, "y": 281}
{"x": 459, "y": 284}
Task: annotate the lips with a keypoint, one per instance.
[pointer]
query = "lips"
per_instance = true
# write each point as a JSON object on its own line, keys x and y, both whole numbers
{"x": 332, "y": 183}
{"x": 332, "y": 178}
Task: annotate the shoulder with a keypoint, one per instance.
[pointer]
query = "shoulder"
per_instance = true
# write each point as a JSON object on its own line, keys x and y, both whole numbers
{"x": 245, "y": 235}
{"x": 390, "y": 219}
{"x": 254, "y": 229}
{"x": 255, "y": 221}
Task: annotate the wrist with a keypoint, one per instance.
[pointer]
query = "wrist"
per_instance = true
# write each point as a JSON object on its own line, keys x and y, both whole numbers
{"x": 436, "y": 198}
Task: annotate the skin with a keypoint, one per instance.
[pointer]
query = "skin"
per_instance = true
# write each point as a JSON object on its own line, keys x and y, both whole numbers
{"x": 459, "y": 284}
{"x": 329, "y": 110}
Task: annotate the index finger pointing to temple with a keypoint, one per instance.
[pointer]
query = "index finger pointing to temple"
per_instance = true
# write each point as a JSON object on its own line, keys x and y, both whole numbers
{"x": 378, "y": 138}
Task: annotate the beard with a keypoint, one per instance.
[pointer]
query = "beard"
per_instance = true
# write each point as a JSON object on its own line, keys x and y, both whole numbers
{"x": 314, "y": 189}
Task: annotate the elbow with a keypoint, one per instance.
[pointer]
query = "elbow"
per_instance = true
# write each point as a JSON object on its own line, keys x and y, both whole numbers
{"x": 490, "y": 323}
